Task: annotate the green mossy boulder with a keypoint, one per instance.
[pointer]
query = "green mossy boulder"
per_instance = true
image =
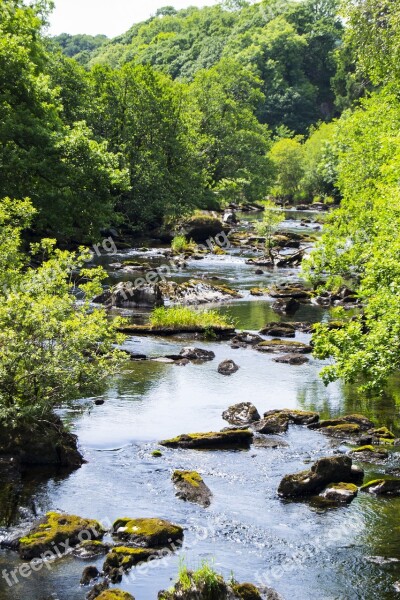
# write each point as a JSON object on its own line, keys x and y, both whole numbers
{"x": 45, "y": 443}
{"x": 340, "y": 493}
{"x": 382, "y": 432}
{"x": 369, "y": 453}
{"x": 148, "y": 533}
{"x": 56, "y": 530}
{"x": 246, "y": 591}
{"x": 297, "y": 417}
{"x": 323, "y": 473}
{"x": 124, "y": 558}
{"x": 217, "y": 440}
{"x": 156, "y": 453}
{"x": 191, "y": 487}
{"x": 383, "y": 487}
{"x": 115, "y": 595}
{"x": 362, "y": 422}
{"x": 91, "y": 549}
{"x": 272, "y": 424}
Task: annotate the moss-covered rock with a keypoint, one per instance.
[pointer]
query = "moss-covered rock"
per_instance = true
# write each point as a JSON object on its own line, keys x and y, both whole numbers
{"x": 279, "y": 330}
{"x": 383, "y": 487}
{"x": 156, "y": 453}
{"x": 298, "y": 417}
{"x": 191, "y": 487}
{"x": 215, "y": 440}
{"x": 340, "y": 493}
{"x": 91, "y": 549}
{"x": 382, "y": 432}
{"x": 123, "y": 558}
{"x": 148, "y": 533}
{"x": 246, "y": 591}
{"x": 272, "y": 424}
{"x": 56, "y": 530}
{"x": 369, "y": 453}
{"x": 243, "y": 413}
{"x": 363, "y": 422}
{"x": 285, "y": 346}
{"x": 115, "y": 595}
{"x": 45, "y": 443}
{"x": 344, "y": 430}
{"x": 257, "y": 292}
{"x": 202, "y": 226}
{"x": 326, "y": 471}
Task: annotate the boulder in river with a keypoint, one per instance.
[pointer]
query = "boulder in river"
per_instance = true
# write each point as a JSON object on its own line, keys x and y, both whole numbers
{"x": 59, "y": 531}
{"x": 44, "y": 443}
{"x": 272, "y": 424}
{"x": 148, "y": 533}
{"x": 196, "y": 354}
{"x": 288, "y": 346}
{"x": 334, "y": 469}
{"x": 191, "y": 487}
{"x": 298, "y": 417}
{"x": 383, "y": 487}
{"x": 340, "y": 493}
{"x": 369, "y": 453}
{"x": 91, "y": 549}
{"x": 202, "y": 226}
{"x": 286, "y": 306}
{"x": 195, "y": 292}
{"x": 243, "y": 413}
{"x": 123, "y": 558}
{"x": 115, "y": 594}
{"x": 128, "y": 295}
{"x": 228, "y": 367}
{"x": 363, "y": 423}
{"x": 230, "y": 439}
{"x": 292, "y": 359}
{"x": 245, "y": 338}
{"x": 98, "y": 589}
{"x": 89, "y": 573}
{"x": 279, "y": 330}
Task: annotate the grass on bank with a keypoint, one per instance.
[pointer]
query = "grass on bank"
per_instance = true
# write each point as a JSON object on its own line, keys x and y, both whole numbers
{"x": 181, "y": 316}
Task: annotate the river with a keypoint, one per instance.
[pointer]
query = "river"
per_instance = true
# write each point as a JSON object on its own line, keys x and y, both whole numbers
{"x": 302, "y": 551}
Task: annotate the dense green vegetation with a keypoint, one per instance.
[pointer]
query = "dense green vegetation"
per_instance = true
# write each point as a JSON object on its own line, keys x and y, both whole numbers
{"x": 288, "y": 45}
{"x": 202, "y": 107}
{"x": 52, "y": 350}
{"x": 361, "y": 239}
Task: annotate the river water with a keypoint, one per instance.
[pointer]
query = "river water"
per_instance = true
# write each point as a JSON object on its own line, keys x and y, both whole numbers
{"x": 304, "y": 552}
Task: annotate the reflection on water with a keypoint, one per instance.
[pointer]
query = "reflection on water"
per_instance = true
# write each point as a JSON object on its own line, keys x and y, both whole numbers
{"x": 302, "y": 552}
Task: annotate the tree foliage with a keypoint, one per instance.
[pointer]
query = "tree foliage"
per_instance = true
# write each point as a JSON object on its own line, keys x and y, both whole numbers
{"x": 52, "y": 349}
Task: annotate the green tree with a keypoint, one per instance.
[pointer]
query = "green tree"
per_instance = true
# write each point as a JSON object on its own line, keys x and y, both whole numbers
{"x": 142, "y": 113}
{"x": 272, "y": 218}
{"x": 233, "y": 143}
{"x": 287, "y": 157}
{"x": 52, "y": 349}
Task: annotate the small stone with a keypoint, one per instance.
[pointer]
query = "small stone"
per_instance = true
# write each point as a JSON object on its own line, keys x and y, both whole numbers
{"x": 243, "y": 413}
{"x": 89, "y": 573}
{"x": 228, "y": 367}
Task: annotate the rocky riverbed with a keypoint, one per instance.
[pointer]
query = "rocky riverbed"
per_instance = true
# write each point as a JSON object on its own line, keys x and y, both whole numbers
{"x": 302, "y": 548}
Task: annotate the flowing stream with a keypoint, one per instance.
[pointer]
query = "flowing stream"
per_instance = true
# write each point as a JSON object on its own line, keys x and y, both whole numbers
{"x": 302, "y": 551}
